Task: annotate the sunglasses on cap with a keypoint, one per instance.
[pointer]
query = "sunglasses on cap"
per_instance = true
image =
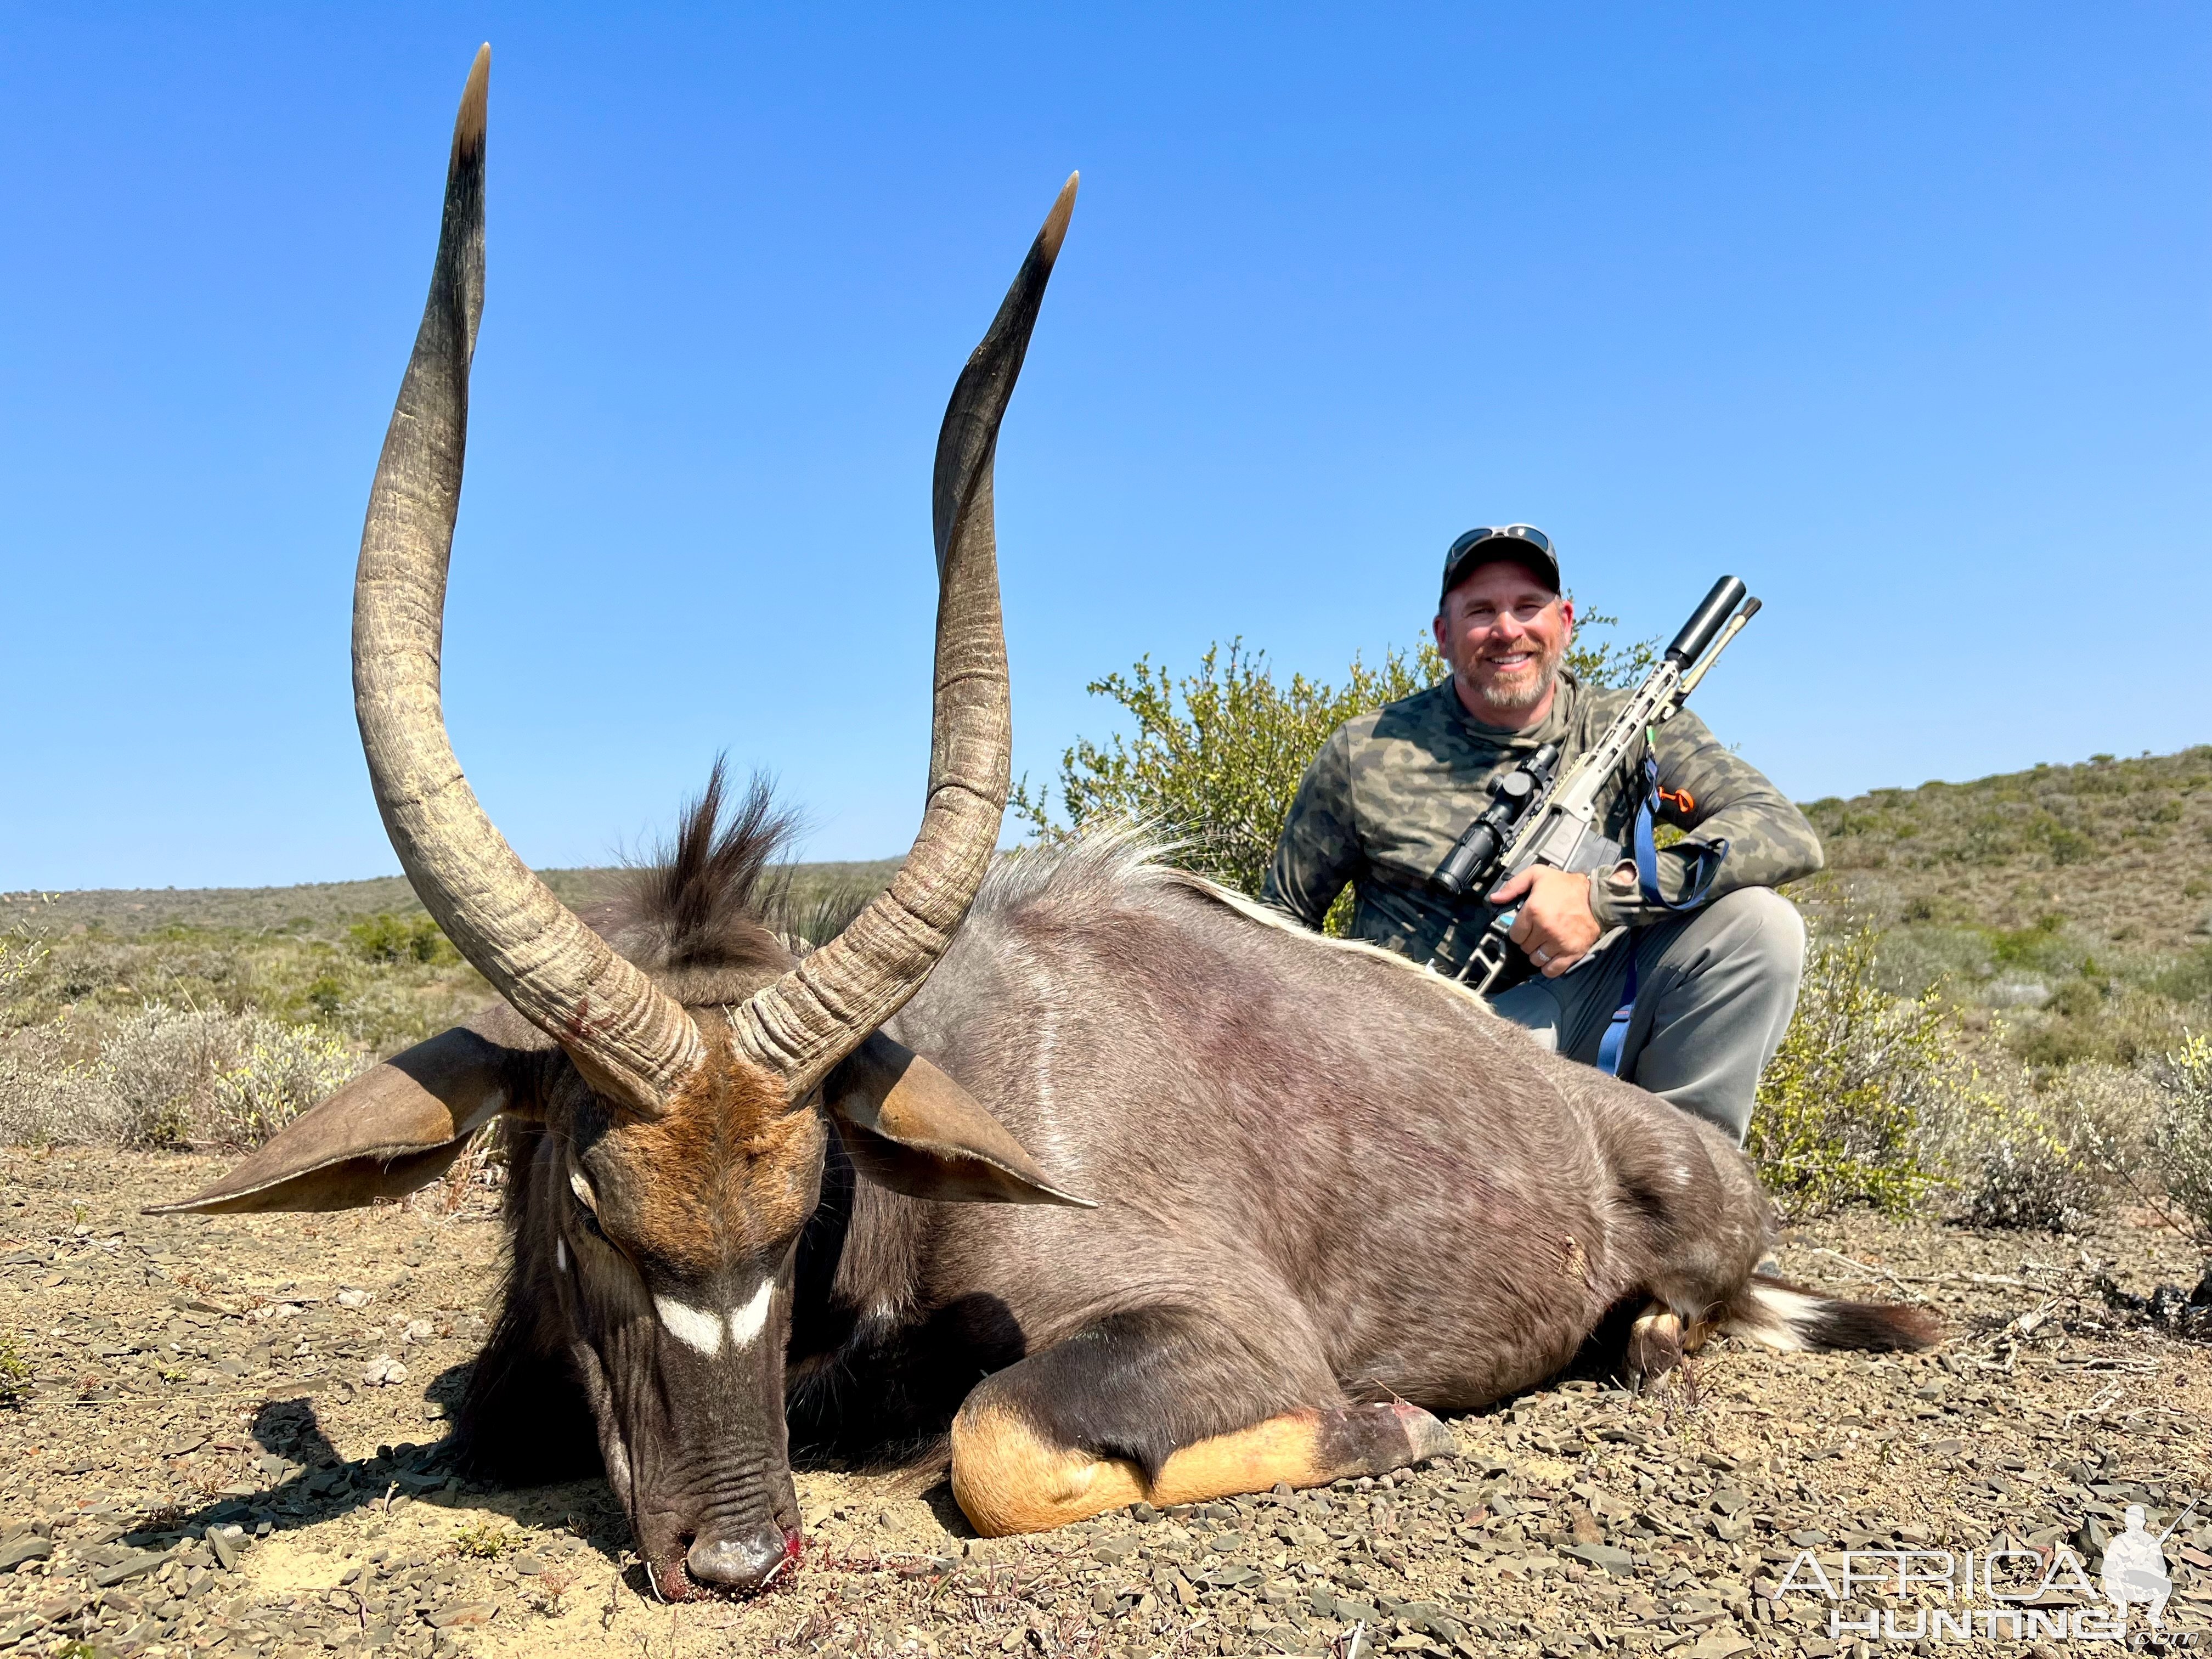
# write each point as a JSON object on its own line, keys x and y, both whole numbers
{"x": 1520, "y": 532}
{"x": 1524, "y": 543}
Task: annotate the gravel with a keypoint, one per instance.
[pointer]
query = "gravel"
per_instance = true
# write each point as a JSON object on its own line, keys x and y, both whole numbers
{"x": 202, "y": 1464}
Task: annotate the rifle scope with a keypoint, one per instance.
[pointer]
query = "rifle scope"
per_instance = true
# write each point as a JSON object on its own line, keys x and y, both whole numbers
{"x": 1479, "y": 847}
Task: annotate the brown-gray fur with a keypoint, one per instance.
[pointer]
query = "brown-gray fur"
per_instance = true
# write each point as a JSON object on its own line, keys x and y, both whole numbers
{"x": 1324, "y": 1175}
{"x": 1331, "y": 1173}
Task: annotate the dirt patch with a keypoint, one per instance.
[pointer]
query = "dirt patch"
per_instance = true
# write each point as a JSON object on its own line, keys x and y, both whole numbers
{"x": 198, "y": 1374}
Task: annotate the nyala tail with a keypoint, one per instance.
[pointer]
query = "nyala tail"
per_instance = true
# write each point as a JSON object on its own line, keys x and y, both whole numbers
{"x": 1792, "y": 1319}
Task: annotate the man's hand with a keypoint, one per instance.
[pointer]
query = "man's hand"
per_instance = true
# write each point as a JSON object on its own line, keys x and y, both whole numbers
{"x": 1556, "y": 926}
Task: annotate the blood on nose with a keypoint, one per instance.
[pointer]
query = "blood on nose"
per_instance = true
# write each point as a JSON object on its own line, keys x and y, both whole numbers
{"x": 740, "y": 1562}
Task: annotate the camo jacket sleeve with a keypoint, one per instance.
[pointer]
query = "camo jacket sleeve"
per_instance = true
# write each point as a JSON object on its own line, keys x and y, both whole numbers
{"x": 1319, "y": 851}
{"x": 1711, "y": 795}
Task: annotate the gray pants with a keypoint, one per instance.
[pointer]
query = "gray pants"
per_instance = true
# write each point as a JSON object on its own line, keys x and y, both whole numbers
{"x": 1714, "y": 994}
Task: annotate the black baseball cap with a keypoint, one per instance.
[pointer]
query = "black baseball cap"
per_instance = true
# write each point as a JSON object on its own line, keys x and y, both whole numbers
{"x": 1519, "y": 544}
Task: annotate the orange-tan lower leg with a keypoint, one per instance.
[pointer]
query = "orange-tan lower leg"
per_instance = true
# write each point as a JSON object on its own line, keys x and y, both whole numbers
{"x": 1009, "y": 1478}
{"x": 1655, "y": 1345}
{"x": 1657, "y": 1340}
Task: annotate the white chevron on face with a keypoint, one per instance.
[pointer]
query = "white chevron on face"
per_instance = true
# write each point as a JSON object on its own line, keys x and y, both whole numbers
{"x": 695, "y": 1327}
{"x": 747, "y": 1322}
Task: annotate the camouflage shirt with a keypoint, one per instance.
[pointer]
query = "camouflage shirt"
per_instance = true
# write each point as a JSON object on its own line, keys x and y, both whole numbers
{"x": 1390, "y": 792}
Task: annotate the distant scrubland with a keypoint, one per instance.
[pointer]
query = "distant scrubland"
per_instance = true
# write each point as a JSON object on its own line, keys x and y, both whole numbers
{"x": 172, "y": 1018}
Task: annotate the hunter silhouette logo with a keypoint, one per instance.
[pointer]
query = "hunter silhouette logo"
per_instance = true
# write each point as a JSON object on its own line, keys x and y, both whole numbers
{"x": 2003, "y": 1590}
{"x": 2134, "y": 1566}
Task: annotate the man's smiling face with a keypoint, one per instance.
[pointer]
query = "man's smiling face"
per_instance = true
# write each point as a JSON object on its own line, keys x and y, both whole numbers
{"x": 1503, "y": 633}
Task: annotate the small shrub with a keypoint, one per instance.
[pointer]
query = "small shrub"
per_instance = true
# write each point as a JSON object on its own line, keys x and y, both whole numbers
{"x": 14, "y": 1374}
{"x": 48, "y": 1095}
{"x": 2105, "y": 1114}
{"x": 1839, "y": 1118}
{"x": 19, "y": 957}
{"x": 2094, "y": 1021}
{"x": 278, "y": 1071}
{"x": 480, "y": 1540}
{"x": 2077, "y": 999}
{"x": 2042, "y": 1151}
{"x": 325, "y": 996}
{"x": 2067, "y": 845}
{"x": 2029, "y": 1182}
{"x": 386, "y": 1013}
{"x": 384, "y": 938}
{"x": 2189, "y": 979}
{"x": 552, "y": 1585}
{"x": 156, "y": 1065}
{"x": 2043, "y": 945}
{"x": 2180, "y": 1139}
{"x": 2054, "y": 1154}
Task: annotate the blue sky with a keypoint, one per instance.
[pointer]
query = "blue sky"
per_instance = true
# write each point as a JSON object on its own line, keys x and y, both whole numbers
{"x": 1898, "y": 311}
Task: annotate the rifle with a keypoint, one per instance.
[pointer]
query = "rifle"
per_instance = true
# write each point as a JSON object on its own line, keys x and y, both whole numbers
{"x": 1537, "y": 818}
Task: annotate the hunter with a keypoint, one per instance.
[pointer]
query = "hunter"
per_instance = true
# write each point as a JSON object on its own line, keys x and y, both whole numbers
{"x": 1706, "y": 991}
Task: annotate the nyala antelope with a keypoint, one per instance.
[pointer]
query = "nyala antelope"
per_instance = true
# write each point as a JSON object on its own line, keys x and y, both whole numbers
{"x": 1082, "y": 1165}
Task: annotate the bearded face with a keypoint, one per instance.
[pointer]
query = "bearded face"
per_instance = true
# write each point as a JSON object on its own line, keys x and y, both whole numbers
{"x": 1504, "y": 633}
{"x": 1519, "y": 678}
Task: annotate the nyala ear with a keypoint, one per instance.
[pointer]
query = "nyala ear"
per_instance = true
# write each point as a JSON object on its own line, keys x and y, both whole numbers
{"x": 908, "y": 1127}
{"x": 394, "y": 1128}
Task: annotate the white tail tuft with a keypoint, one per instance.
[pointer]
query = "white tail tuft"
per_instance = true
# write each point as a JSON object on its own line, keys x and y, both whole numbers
{"x": 1791, "y": 1319}
{"x": 1776, "y": 1315}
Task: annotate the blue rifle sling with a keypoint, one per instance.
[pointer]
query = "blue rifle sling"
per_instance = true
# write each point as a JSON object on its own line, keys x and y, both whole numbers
{"x": 1705, "y": 856}
{"x": 1705, "y": 864}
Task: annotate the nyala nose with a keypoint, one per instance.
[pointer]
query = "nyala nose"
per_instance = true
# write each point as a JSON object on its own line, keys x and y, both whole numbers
{"x": 741, "y": 1565}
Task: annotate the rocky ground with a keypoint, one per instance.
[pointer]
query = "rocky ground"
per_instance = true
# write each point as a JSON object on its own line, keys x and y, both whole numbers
{"x": 224, "y": 1438}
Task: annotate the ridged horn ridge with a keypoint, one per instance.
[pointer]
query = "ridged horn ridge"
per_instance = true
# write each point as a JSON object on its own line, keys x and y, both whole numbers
{"x": 820, "y": 1011}
{"x": 633, "y": 1043}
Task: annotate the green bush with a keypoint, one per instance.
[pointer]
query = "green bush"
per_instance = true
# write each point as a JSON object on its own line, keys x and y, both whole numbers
{"x": 2038, "y": 946}
{"x": 1216, "y": 757}
{"x": 2187, "y": 979}
{"x": 386, "y": 938}
{"x": 14, "y": 1374}
{"x": 1843, "y": 1110}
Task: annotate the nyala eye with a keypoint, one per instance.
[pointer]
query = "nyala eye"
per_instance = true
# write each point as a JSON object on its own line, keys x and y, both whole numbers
{"x": 585, "y": 1209}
